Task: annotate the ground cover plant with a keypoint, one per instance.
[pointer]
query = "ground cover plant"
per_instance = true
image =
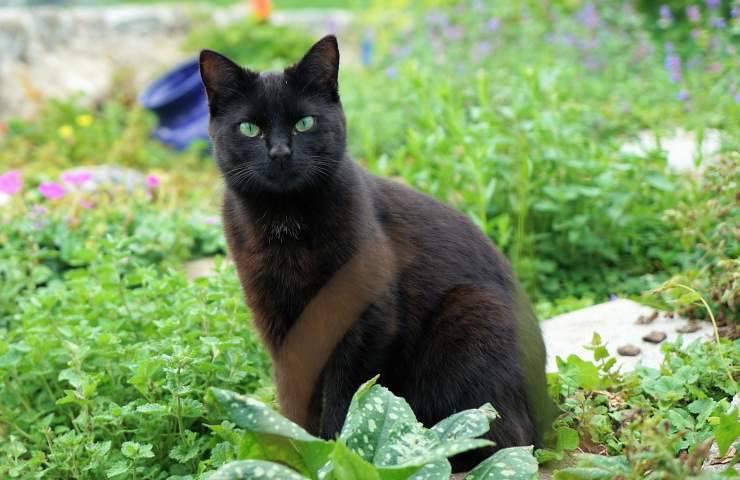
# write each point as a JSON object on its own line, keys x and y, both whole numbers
{"x": 114, "y": 365}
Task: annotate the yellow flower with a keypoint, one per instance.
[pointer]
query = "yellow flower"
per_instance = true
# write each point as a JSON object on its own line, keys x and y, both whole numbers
{"x": 66, "y": 132}
{"x": 84, "y": 120}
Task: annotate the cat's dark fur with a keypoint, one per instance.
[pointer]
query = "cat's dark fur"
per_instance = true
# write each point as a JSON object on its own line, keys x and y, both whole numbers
{"x": 451, "y": 330}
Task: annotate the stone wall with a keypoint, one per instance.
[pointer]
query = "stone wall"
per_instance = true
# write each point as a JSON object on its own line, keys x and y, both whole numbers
{"x": 56, "y": 52}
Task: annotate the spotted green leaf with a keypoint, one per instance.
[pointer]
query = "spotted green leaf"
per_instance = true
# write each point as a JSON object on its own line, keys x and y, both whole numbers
{"x": 382, "y": 429}
{"x": 515, "y": 463}
{"x": 254, "y": 470}
{"x": 466, "y": 424}
{"x": 346, "y": 464}
{"x": 374, "y": 415}
{"x": 269, "y": 436}
{"x": 441, "y": 469}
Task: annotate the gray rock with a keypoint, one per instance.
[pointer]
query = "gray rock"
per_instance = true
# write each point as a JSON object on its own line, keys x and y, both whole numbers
{"x": 655, "y": 336}
{"x": 628, "y": 350}
{"x": 616, "y": 322}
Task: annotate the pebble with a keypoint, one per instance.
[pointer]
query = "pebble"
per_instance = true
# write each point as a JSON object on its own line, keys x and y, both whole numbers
{"x": 628, "y": 350}
{"x": 655, "y": 336}
{"x": 690, "y": 327}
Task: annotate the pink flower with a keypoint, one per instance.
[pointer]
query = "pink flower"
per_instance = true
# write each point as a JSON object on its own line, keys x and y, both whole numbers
{"x": 76, "y": 177}
{"x": 51, "y": 190}
{"x": 152, "y": 181}
{"x": 11, "y": 182}
{"x": 86, "y": 203}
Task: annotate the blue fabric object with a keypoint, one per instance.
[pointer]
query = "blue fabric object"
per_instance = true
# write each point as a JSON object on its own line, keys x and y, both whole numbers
{"x": 179, "y": 101}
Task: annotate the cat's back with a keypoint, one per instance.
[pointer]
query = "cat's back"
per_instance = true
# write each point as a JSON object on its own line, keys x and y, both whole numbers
{"x": 446, "y": 248}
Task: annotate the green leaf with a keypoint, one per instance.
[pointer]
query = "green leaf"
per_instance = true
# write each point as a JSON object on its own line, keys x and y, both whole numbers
{"x": 727, "y": 431}
{"x": 439, "y": 470}
{"x": 579, "y": 373}
{"x": 383, "y": 430}
{"x": 135, "y": 450}
{"x": 252, "y": 469}
{"x": 151, "y": 408}
{"x": 373, "y": 413}
{"x": 583, "y": 473}
{"x": 567, "y": 439}
{"x": 703, "y": 409}
{"x": 658, "y": 181}
{"x": 118, "y": 468}
{"x": 269, "y": 436}
{"x": 466, "y": 424}
{"x": 346, "y": 464}
{"x": 515, "y": 463}
{"x": 595, "y": 467}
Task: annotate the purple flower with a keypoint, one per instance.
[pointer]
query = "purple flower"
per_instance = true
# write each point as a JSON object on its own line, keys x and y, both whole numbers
{"x": 693, "y": 13}
{"x": 493, "y": 24}
{"x": 672, "y": 64}
{"x": 718, "y": 22}
{"x": 613, "y": 298}
{"x": 665, "y": 13}
{"x": 713, "y": 3}
{"x": 391, "y": 72}
{"x": 735, "y": 12}
{"x": 11, "y": 182}
{"x": 76, "y": 177}
{"x": 453, "y": 32}
{"x": 589, "y": 16}
{"x": 737, "y": 97}
{"x": 39, "y": 211}
{"x": 715, "y": 67}
{"x": 152, "y": 181}
{"x": 683, "y": 95}
{"x": 480, "y": 50}
{"x": 51, "y": 190}
{"x": 437, "y": 17}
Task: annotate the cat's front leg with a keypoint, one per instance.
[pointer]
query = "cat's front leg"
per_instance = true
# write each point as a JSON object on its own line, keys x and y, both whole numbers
{"x": 358, "y": 357}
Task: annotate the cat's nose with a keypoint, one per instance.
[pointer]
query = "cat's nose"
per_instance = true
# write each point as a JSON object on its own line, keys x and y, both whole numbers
{"x": 280, "y": 152}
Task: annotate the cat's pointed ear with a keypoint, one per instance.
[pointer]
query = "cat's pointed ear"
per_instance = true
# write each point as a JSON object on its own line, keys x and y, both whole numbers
{"x": 221, "y": 76}
{"x": 319, "y": 68}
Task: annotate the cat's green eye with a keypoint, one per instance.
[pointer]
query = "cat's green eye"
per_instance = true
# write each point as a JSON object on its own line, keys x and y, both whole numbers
{"x": 304, "y": 124}
{"x": 249, "y": 129}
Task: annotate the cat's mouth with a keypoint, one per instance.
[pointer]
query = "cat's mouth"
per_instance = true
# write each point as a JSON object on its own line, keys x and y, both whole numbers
{"x": 287, "y": 180}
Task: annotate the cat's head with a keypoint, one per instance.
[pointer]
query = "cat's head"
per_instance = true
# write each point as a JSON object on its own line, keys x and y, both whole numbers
{"x": 276, "y": 132}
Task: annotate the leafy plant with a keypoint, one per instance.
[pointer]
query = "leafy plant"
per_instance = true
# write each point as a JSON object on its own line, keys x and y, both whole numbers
{"x": 381, "y": 439}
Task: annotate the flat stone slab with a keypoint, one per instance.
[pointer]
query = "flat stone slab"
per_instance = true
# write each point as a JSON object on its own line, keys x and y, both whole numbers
{"x": 684, "y": 150}
{"x": 617, "y": 323}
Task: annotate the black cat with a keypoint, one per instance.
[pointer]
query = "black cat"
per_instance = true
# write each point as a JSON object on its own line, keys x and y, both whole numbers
{"x": 349, "y": 275}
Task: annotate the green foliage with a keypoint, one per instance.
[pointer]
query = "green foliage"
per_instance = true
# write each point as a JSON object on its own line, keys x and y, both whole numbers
{"x": 709, "y": 223}
{"x": 71, "y": 135}
{"x": 105, "y": 370}
{"x": 255, "y": 44}
{"x": 381, "y": 439}
{"x": 647, "y": 417}
{"x": 535, "y": 162}
{"x": 40, "y": 245}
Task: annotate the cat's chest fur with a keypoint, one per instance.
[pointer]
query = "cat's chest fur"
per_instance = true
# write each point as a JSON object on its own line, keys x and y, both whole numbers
{"x": 282, "y": 262}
